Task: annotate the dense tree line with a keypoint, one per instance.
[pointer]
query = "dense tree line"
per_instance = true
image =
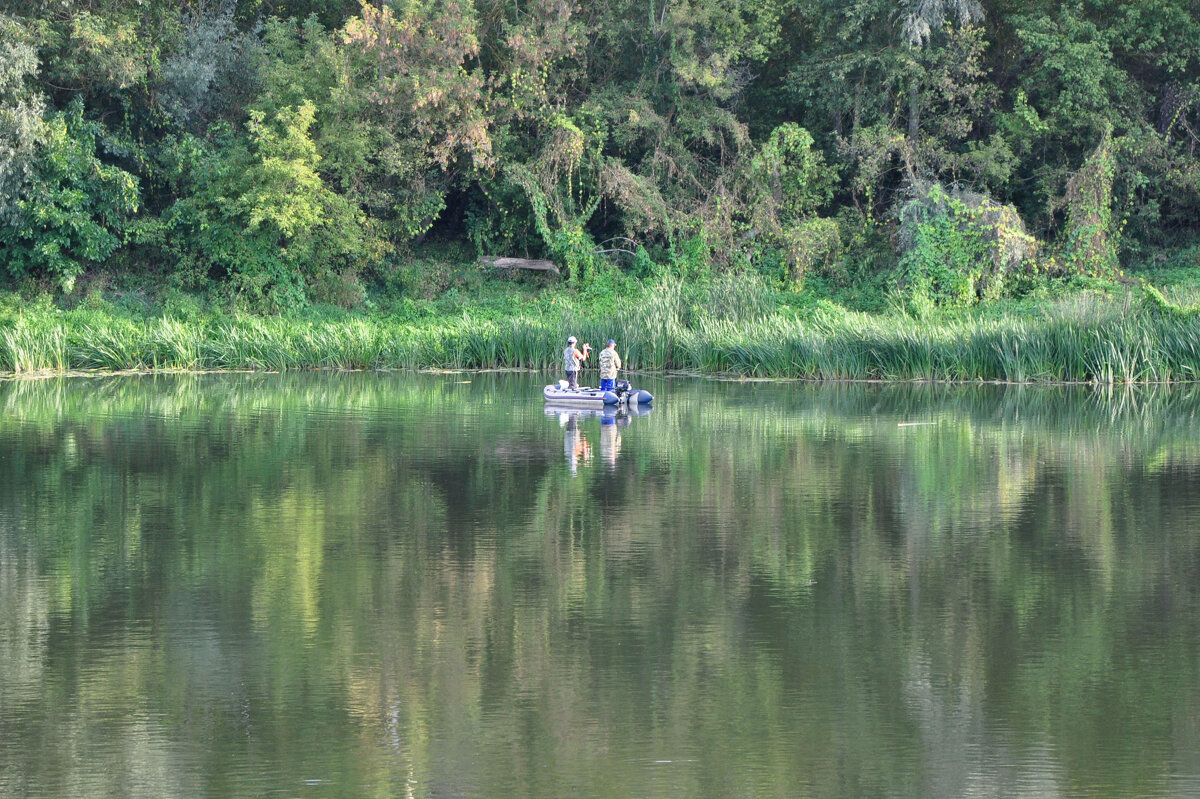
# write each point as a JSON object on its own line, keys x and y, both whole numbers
{"x": 288, "y": 149}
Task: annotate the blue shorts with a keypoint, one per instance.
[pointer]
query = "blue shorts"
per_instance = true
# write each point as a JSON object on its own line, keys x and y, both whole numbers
{"x": 607, "y": 384}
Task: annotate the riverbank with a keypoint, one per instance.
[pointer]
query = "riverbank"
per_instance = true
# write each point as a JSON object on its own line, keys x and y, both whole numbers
{"x": 1130, "y": 337}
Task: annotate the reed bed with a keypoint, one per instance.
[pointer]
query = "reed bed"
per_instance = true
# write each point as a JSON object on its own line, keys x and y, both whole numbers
{"x": 29, "y": 347}
{"x": 1077, "y": 341}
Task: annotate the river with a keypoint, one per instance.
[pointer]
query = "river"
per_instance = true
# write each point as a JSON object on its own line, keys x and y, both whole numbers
{"x": 397, "y": 584}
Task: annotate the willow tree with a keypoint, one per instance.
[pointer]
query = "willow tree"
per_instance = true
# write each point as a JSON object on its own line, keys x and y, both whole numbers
{"x": 21, "y": 109}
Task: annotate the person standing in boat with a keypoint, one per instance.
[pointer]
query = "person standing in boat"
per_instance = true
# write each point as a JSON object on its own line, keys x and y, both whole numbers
{"x": 572, "y": 361}
{"x": 610, "y": 362}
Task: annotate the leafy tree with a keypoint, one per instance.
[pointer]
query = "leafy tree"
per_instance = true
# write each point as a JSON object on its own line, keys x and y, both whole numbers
{"x": 1072, "y": 77}
{"x": 210, "y": 71}
{"x": 261, "y": 217}
{"x": 790, "y": 182}
{"x": 21, "y": 110}
{"x": 72, "y": 209}
{"x": 684, "y": 127}
{"x": 425, "y": 105}
{"x": 919, "y": 19}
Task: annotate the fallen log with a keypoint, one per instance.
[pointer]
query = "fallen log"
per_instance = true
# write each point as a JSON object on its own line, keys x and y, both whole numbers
{"x": 534, "y": 264}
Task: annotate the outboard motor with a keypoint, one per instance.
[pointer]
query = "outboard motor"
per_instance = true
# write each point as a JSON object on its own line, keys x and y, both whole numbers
{"x": 622, "y": 386}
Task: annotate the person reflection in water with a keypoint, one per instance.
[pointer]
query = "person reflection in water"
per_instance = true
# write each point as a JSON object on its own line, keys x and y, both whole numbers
{"x": 575, "y": 445}
{"x": 610, "y": 442}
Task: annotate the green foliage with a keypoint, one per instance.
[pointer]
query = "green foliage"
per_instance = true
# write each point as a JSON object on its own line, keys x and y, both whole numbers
{"x": 209, "y": 70}
{"x": 691, "y": 257}
{"x": 282, "y": 188}
{"x": 99, "y": 50}
{"x": 282, "y": 150}
{"x": 955, "y": 138}
{"x": 709, "y": 39}
{"x": 1073, "y": 72}
{"x": 789, "y": 183}
{"x": 811, "y": 243}
{"x": 73, "y": 207}
{"x": 368, "y": 150}
{"x": 1162, "y": 305}
{"x": 417, "y": 57}
{"x": 261, "y": 217}
{"x": 958, "y": 247}
{"x": 21, "y": 109}
{"x": 560, "y": 187}
{"x": 1090, "y": 247}
{"x": 790, "y": 175}
{"x": 500, "y": 219}
{"x": 944, "y": 264}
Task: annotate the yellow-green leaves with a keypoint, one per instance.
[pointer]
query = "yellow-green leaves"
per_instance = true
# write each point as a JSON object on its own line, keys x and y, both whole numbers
{"x": 282, "y": 187}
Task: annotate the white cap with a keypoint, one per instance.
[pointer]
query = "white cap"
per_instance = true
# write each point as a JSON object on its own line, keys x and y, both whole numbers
{"x": 571, "y": 339}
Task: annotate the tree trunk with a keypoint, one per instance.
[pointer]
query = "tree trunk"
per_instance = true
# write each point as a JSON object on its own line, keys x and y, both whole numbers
{"x": 534, "y": 265}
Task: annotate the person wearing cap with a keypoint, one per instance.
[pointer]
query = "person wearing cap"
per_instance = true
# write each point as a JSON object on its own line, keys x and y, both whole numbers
{"x": 610, "y": 362}
{"x": 572, "y": 359}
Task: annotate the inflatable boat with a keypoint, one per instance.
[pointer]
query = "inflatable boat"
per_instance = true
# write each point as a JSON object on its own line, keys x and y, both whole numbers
{"x": 586, "y": 397}
{"x": 596, "y": 411}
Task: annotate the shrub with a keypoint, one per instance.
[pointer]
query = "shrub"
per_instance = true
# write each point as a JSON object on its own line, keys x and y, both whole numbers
{"x": 957, "y": 247}
{"x": 72, "y": 209}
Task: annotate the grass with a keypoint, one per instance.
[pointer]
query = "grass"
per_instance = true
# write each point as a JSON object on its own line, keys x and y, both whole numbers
{"x": 734, "y": 327}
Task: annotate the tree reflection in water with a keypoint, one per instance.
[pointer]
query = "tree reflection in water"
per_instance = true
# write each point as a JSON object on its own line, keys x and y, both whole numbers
{"x": 392, "y": 585}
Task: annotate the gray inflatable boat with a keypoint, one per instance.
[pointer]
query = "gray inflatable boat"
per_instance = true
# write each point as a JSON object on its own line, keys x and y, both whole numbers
{"x": 588, "y": 397}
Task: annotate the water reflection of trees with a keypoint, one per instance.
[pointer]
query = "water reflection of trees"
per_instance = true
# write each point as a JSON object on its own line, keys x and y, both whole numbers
{"x": 411, "y": 555}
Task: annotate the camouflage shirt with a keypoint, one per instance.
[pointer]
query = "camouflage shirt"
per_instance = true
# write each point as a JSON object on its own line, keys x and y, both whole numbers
{"x": 610, "y": 362}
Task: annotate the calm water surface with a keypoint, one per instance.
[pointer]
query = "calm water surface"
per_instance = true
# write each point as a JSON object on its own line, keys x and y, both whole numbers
{"x": 426, "y": 585}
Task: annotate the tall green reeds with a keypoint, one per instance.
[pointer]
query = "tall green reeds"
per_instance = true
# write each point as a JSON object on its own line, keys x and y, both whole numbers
{"x": 34, "y": 345}
{"x": 1081, "y": 340}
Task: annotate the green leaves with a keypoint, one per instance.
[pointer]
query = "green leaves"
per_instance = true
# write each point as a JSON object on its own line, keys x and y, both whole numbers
{"x": 957, "y": 248}
{"x": 790, "y": 174}
{"x": 261, "y": 216}
{"x": 21, "y": 109}
{"x": 283, "y": 156}
{"x": 280, "y": 186}
{"x": 1072, "y": 73}
{"x": 72, "y": 209}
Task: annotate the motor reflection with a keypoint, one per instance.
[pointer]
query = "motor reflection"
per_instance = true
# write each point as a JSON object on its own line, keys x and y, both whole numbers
{"x": 577, "y": 449}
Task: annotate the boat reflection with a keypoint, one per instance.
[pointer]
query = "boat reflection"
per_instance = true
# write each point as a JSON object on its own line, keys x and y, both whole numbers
{"x": 576, "y": 447}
